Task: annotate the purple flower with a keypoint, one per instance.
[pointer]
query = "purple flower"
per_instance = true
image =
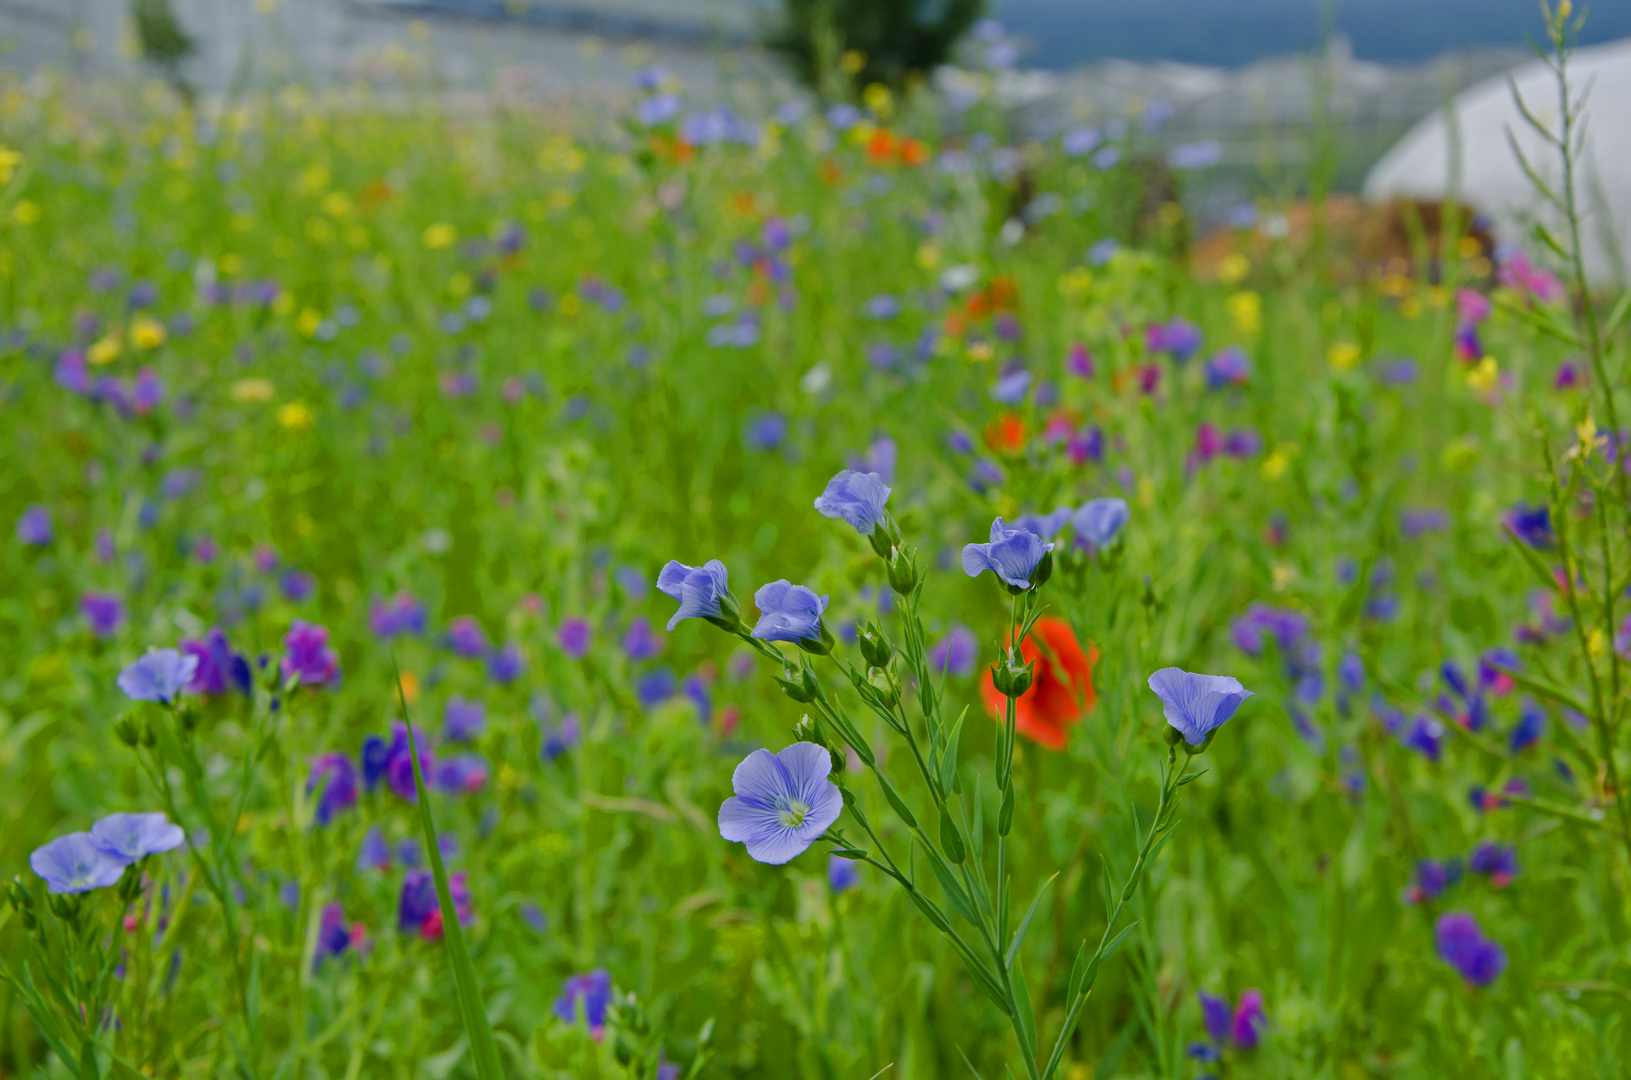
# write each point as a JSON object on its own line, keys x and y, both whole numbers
{"x": 401, "y": 614}
{"x": 75, "y": 863}
{"x": 1216, "y": 1014}
{"x": 333, "y": 935}
{"x": 587, "y": 997}
{"x": 703, "y": 592}
{"x": 146, "y": 392}
{"x": 842, "y": 874}
{"x": 1079, "y": 362}
{"x": 1246, "y": 1026}
{"x": 695, "y": 687}
{"x": 1530, "y": 727}
{"x": 882, "y": 306}
{"x": 855, "y": 497}
{"x": 1014, "y": 555}
{"x": 463, "y": 721}
{"x": 1178, "y": 338}
{"x": 132, "y": 837}
{"x": 506, "y": 665}
{"x": 219, "y": 668}
{"x": 1531, "y": 525}
{"x": 574, "y": 636}
{"x": 562, "y": 737}
{"x": 1287, "y": 628}
{"x": 765, "y": 431}
{"x": 1086, "y": 445}
{"x": 1011, "y": 388}
{"x": 655, "y": 686}
{"x": 465, "y": 637}
{"x": 1195, "y": 705}
{"x": 640, "y": 641}
{"x": 1432, "y": 878}
{"x": 104, "y": 611}
{"x": 1046, "y": 526}
{"x": 462, "y": 774}
{"x": 955, "y": 653}
{"x": 392, "y": 762}
{"x": 1498, "y": 862}
{"x": 1463, "y": 946}
{"x": 1425, "y": 736}
{"x": 791, "y": 612}
{"x": 1099, "y": 521}
{"x": 1080, "y": 141}
{"x": 334, "y": 778}
{"x": 297, "y": 586}
{"x": 783, "y": 802}
{"x": 374, "y": 853}
{"x": 658, "y": 109}
{"x": 1228, "y": 368}
{"x": 418, "y": 902}
{"x": 34, "y": 526}
{"x": 71, "y": 373}
{"x": 158, "y": 676}
{"x": 306, "y": 654}
{"x": 1414, "y": 523}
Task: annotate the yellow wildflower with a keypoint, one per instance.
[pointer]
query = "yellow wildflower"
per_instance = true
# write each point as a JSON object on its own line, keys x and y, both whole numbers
{"x": 26, "y": 212}
{"x": 106, "y": 350}
{"x": 1484, "y": 375}
{"x": 1246, "y": 308}
{"x": 440, "y": 235}
{"x": 296, "y": 416}
{"x": 308, "y": 322}
{"x": 1234, "y": 268}
{"x": 1343, "y": 356}
{"x": 146, "y": 333}
{"x": 252, "y": 391}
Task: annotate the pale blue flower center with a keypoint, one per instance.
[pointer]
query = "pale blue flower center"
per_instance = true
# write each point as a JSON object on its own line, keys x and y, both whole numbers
{"x": 791, "y": 812}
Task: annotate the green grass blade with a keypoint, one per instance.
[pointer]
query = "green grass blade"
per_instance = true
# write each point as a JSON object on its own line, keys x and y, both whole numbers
{"x": 482, "y": 1046}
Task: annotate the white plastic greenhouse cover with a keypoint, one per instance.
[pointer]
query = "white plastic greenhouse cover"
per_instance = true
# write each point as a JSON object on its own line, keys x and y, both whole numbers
{"x": 1418, "y": 166}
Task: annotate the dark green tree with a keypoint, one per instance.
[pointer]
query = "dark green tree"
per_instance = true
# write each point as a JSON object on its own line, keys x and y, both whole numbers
{"x": 165, "y": 44}
{"x": 895, "y": 40}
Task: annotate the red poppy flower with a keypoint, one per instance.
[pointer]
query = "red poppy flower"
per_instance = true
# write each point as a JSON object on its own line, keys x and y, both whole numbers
{"x": 1006, "y": 434}
{"x": 1061, "y": 690}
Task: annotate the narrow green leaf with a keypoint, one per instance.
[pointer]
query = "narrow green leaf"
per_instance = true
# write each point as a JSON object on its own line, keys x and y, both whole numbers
{"x": 1022, "y": 1012}
{"x": 950, "y": 838}
{"x": 948, "y": 756}
{"x": 1545, "y": 689}
{"x": 1188, "y": 777}
{"x": 1025, "y": 923}
{"x": 969, "y": 1063}
{"x": 896, "y": 803}
{"x": 1078, "y": 972}
{"x": 1115, "y": 943}
{"x": 954, "y": 891}
{"x": 1617, "y": 316}
{"x": 1536, "y": 563}
{"x": 849, "y": 853}
{"x": 483, "y": 1049}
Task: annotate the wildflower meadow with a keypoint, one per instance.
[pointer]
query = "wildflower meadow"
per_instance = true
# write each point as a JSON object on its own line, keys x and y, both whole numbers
{"x": 791, "y": 590}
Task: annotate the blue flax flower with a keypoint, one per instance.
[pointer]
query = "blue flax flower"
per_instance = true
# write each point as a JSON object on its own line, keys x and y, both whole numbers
{"x": 855, "y": 497}
{"x": 789, "y": 612}
{"x": 158, "y": 676}
{"x": 135, "y": 836}
{"x": 703, "y": 592}
{"x": 1099, "y": 521}
{"x": 1463, "y": 946}
{"x": 842, "y": 874}
{"x": 1046, "y": 526}
{"x": 75, "y": 863}
{"x": 1013, "y": 555}
{"x": 1195, "y": 705}
{"x": 783, "y": 802}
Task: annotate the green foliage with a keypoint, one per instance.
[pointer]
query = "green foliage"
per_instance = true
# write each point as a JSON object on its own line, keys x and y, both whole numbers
{"x": 895, "y": 42}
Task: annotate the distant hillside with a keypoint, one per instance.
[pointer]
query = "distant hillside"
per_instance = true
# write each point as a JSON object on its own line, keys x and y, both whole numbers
{"x": 1064, "y": 33}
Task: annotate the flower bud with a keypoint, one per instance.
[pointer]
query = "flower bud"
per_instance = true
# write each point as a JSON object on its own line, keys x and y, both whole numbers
{"x": 807, "y": 731}
{"x": 126, "y": 731}
{"x": 819, "y": 646}
{"x": 875, "y": 647}
{"x": 729, "y": 618}
{"x": 1010, "y": 677}
{"x": 148, "y": 738}
{"x": 885, "y": 685}
{"x": 18, "y": 894}
{"x": 903, "y": 573}
{"x": 798, "y": 685}
{"x": 1043, "y": 571}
